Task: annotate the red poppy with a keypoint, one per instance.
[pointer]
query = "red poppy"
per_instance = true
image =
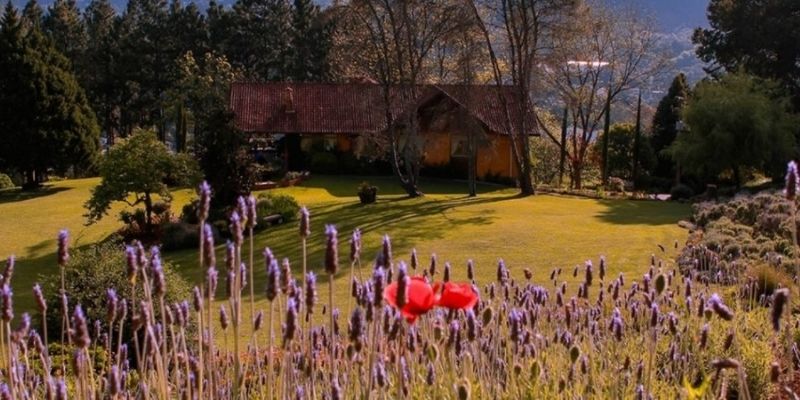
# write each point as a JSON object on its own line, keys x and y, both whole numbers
{"x": 456, "y": 296}
{"x": 420, "y": 298}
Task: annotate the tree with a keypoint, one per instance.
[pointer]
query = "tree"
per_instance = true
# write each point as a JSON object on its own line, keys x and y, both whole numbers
{"x": 46, "y": 119}
{"x": 759, "y": 36}
{"x": 32, "y": 15}
{"x": 665, "y": 124}
{"x": 392, "y": 42}
{"x": 101, "y": 67}
{"x": 134, "y": 171}
{"x": 621, "y": 146}
{"x": 735, "y": 124}
{"x": 611, "y": 51}
{"x": 64, "y": 26}
{"x": 519, "y": 34}
{"x": 222, "y": 150}
{"x": 311, "y": 42}
{"x": 260, "y": 38}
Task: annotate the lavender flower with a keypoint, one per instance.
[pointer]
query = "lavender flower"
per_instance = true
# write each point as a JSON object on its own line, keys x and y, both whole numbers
{"x": 39, "y": 297}
{"x": 355, "y": 245}
{"x": 779, "y": 299}
{"x": 258, "y": 320}
{"x": 114, "y": 381}
{"x": 63, "y": 247}
{"x": 470, "y": 270}
{"x": 311, "y": 292}
{"x": 378, "y": 279}
{"x": 305, "y": 225}
{"x": 273, "y": 278}
{"x": 291, "y": 321}
{"x": 432, "y": 268}
{"x": 112, "y": 302}
{"x": 252, "y": 214}
{"x": 716, "y": 304}
{"x": 446, "y": 274}
{"x": 6, "y": 303}
{"x": 132, "y": 263}
{"x": 588, "y": 280}
{"x": 402, "y": 286}
{"x": 236, "y": 228}
{"x": 80, "y": 333}
{"x": 224, "y": 320}
{"x": 357, "y": 328}
{"x": 159, "y": 283}
{"x": 204, "y": 190}
{"x": 414, "y": 259}
{"x": 331, "y": 250}
{"x": 386, "y": 251}
{"x": 792, "y": 181}
{"x": 209, "y": 255}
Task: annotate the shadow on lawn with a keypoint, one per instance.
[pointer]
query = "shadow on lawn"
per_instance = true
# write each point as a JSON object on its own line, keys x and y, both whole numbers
{"x": 15, "y": 195}
{"x": 641, "y": 212}
{"x": 407, "y": 221}
{"x": 347, "y": 185}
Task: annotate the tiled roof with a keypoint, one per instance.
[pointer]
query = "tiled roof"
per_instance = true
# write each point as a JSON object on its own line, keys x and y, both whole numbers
{"x": 351, "y": 107}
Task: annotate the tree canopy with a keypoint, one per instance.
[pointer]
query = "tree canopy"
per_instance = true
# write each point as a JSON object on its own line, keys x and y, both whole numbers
{"x": 759, "y": 36}
{"x": 665, "y": 124}
{"x": 735, "y": 124}
{"x": 46, "y": 118}
{"x": 135, "y": 170}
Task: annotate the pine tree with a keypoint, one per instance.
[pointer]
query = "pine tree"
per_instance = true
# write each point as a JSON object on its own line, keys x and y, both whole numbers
{"x": 665, "y": 122}
{"x": 100, "y": 67}
{"x": 261, "y": 41}
{"x": 310, "y": 42}
{"x": 64, "y": 26}
{"x": 47, "y": 120}
{"x": 32, "y": 15}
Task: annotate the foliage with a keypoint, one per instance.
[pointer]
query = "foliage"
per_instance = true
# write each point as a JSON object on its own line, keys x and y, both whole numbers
{"x": 281, "y": 204}
{"x": 621, "y": 142}
{"x": 367, "y": 193}
{"x": 734, "y": 124}
{"x": 5, "y": 182}
{"x": 665, "y": 125}
{"x": 222, "y": 150}
{"x": 746, "y": 231}
{"x": 179, "y": 235}
{"x": 90, "y": 273}
{"x": 681, "y": 192}
{"x": 323, "y": 162}
{"x": 758, "y": 37}
{"x": 139, "y": 167}
{"x": 545, "y": 157}
{"x": 47, "y": 121}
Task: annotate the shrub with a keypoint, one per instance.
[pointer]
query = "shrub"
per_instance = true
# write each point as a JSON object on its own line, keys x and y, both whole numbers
{"x": 281, "y": 204}
{"x": 189, "y": 212}
{"x": 681, "y": 192}
{"x": 92, "y": 271}
{"x": 323, "y": 162}
{"x": 367, "y": 193}
{"x": 615, "y": 184}
{"x": 5, "y": 182}
{"x": 179, "y": 235}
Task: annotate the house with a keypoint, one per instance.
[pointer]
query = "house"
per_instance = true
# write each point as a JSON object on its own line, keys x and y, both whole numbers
{"x": 350, "y": 119}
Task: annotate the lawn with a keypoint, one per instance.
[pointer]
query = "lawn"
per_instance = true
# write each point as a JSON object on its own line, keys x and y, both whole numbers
{"x": 539, "y": 232}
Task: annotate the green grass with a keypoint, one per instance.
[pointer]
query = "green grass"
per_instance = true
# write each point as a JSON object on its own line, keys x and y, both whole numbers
{"x": 539, "y": 232}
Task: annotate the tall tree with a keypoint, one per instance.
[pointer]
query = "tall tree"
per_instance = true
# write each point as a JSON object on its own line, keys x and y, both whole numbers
{"x": 612, "y": 51}
{"x": 64, "y": 26}
{"x": 143, "y": 67}
{"x": 310, "y": 42}
{"x": 392, "y": 42}
{"x": 735, "y": 124}
{"x": 260, "y": 43}
{"x": 101, "y": 68}
{"x": 47, "y": 122}
{"x": 665, "y": 124}
{"x": 760, "y": 36}
{"x": 32, "y": 15}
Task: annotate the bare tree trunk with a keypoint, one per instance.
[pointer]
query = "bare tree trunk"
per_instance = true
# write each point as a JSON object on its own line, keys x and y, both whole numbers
{"x": 562, "y": 148}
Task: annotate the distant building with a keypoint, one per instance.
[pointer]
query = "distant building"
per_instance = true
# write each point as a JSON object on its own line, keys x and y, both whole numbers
{"x": 350, "y": 118}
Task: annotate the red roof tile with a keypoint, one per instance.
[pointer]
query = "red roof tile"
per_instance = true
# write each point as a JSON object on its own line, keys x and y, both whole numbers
{"x": 351, "y": 107}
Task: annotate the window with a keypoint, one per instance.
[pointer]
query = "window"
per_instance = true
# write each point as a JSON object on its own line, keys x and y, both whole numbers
{"x": 459, "y": 146}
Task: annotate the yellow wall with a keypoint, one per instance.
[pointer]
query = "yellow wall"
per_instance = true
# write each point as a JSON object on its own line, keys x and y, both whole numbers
{"x": 494, "y": 156}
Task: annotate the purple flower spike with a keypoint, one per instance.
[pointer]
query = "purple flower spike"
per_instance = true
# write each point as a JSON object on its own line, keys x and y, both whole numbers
{"x": 63, "y": 247}
{"x": 792, "y": 181}
{"x": 205, "y": 201}
{"x": 331, "y": 250}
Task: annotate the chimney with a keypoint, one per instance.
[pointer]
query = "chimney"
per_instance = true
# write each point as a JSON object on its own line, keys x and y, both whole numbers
{"x": 288, "y": 100}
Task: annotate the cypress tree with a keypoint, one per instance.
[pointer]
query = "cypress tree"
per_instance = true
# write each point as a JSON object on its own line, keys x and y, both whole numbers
{"x": 665, "y": 123}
